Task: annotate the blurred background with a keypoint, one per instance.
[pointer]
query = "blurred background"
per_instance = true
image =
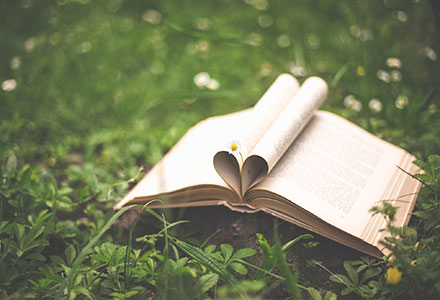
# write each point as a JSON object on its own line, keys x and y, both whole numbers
{"x": 114, "y": 84}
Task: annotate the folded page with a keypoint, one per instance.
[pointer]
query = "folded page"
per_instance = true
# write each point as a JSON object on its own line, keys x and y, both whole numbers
{"x": 283, "y": 131}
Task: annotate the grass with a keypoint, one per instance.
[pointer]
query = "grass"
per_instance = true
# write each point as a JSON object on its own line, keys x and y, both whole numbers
{"x": 95, "y": 92}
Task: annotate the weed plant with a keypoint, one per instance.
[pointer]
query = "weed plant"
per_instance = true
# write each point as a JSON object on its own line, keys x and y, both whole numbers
{"x": 93, "y": 93}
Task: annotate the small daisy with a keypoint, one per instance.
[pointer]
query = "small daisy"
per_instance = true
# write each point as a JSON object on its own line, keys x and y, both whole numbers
{"x": 393, "y": 62}
{"x": 384, "y": 76}
{"x": 9, "y": 85}
{"x": 375, "y": 105}
{"x": 401, "y": 101}
{"x": 234, "y": 148}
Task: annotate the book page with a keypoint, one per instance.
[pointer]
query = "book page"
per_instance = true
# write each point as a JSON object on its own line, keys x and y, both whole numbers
{"x": 401, "y": 192}
{"x": 265, "y": 112}
{"x": 250, "y": 131}
{"x": 336, "y": 171}
{"x": 189, "y": 162}
{"x": 283, "y": 131}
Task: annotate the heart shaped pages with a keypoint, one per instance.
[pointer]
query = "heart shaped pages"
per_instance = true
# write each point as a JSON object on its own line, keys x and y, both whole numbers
{"x": 275, "y": 121}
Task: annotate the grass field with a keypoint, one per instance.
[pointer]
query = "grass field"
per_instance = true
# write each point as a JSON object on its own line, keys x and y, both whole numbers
{"x": 93, "y": 93}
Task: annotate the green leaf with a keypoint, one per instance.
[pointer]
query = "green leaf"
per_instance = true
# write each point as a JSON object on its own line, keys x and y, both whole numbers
{"x": 269, "y": 260}
{"x": 217, "y": 255}
{"x": 36, "y": 256}
{"x": 242, "y": 253}
{"x": 226, "y": 251}
{"x": 70, "y": 254}
{"x": 29, "y": 238}
{"x": 83, "y": 193}
{"x": 339, "y": 278}
{"x": 330, "y": 296}
{"x": 124, "y": 295}
{"x": 4, "y": 226}
{"x": 210, "y": 263}
{"x": 107, "y": 251}
{"x": 57, "y": 260}
{"x": 361, "y": 268}
{"x": 239, "y": 268}
{"x": 81, "y": 290}
{"x": 19, "y": 232}
{"x": 346, "y": 291}
{"x": 352, "y": 274}
{"x": 370, "y": 273}
{"x": 265, "y": 247}
{"x": 207, "y": 281}
{"x": 26, "y": 175}
{"x": 209, "y": 249}
{"x": 314, "y": 294}
{"x": 42, "y": 216}
{"x": 310, "y": 244}
{"x": 51, "y": 191}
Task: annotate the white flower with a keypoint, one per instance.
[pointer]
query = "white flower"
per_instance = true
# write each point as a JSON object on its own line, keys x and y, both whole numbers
{"x": 29, "y": 44}
{"x": 351, "y": 102}
{"x": 348, "y": 100}
{"x": 401, "y": 101}
{"x": 234, "y": 147}
{"x": 15, "y": 63}
{"x": 394, "y": 62}
{"x": 402, "y": 16}
{"x": 202, "y": 79}
{"x": 298, "y": 71}
{"x": 375, "y": 105}
{"x": 357, "y": 105}
{"x": 9, "y": 85}
{"x": 213, "y": 84}
{"x": 430, "y": 53}
{"x": 384, "y": 76}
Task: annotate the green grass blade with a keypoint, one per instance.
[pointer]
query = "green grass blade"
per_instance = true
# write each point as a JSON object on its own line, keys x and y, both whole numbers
{"x": 295, "y": 240}
{"x": 291, "y": 280}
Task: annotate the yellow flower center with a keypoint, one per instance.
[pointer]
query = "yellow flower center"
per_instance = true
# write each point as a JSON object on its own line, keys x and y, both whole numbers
{"x": 393, "y": 275}
{"x": 234, "y": 147}
{"x": 360, "y": 71}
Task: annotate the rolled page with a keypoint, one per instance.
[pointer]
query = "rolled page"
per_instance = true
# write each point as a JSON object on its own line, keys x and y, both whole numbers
{"x": 283, "y": 131}
{"x": 227, "y": 162}
{"x": 266, "y": 111}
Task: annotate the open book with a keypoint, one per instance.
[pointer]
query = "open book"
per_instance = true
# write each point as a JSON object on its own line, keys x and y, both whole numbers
{"x": 284, "y": 157}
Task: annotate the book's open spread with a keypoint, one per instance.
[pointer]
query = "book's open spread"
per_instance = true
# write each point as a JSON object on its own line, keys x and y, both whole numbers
{"x": 312, "y": 168}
